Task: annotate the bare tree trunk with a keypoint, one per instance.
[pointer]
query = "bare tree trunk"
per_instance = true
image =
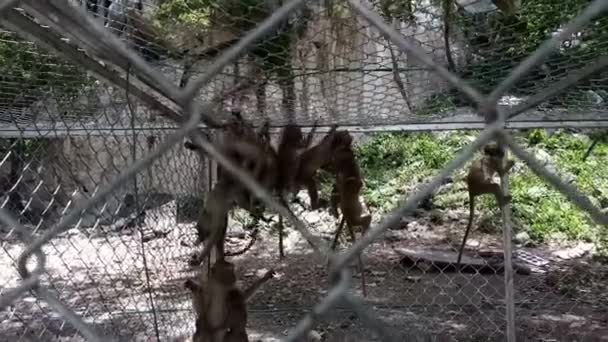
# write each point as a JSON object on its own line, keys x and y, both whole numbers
{"x": 447, "y": 21}
{"x": 396, "y": 74}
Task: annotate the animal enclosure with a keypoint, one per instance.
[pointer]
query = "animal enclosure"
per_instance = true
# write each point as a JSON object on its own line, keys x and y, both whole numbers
{"x": 101, "y": 199}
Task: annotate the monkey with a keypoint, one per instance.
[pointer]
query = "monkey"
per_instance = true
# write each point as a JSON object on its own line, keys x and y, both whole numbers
{"x": 345, "y": 192}
{"x": 213, "y": 221}
{"x": 310, "y": 161}
{"x": 290, "y": 146}
{"x": 341, "y": 138}
{"x": 288, "y": 160}
{"x": 242, "y": 145}
{"x": 249, "y": 149}
{"x": 214, "y": 217}
{"x": 349, "y": 181}
{"x": 220, "y": 307}
{"x": 210, "y": 302}
{"x": 479, "y": 182}
{"x": 291, "y": 140}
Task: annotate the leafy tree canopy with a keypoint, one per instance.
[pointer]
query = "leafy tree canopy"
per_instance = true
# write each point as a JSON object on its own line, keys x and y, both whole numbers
{"x": 27, "y": 72}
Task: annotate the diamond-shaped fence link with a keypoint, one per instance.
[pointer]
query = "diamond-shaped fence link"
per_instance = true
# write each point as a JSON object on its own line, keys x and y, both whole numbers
{"x": 100, "y": 200}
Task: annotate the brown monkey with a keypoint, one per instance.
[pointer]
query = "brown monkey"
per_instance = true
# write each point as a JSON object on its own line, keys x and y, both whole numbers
{"x": 252, "y": 155}
{"x": 480, "y": 181}
{"x": 311, "y": 160}
{"x": 251, "y": 150}
{"x": 220, "y": 306}
{"x": 341, "y": 139}
{"x": 288, "y": 159}
{"x": 349, "y": 182}
{"x": 291, "y": 146}
{"x": 345, "y": 193}
{"x": 212, "y": 222}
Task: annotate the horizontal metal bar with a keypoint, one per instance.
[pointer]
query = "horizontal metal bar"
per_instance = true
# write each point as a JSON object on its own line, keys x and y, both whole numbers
{"x": 30, "y": 132}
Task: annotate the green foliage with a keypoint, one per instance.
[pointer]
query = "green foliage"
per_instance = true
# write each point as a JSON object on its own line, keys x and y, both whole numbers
{"x": 502, "y": 41}
{"x": 27, "y": 149}
{"x": 27, "y": 72}
{"x": 390, "y": 161}
{"x": 238, "y": 17}
{"x": 195, "y": 13}
{"x": 393, "y": 164}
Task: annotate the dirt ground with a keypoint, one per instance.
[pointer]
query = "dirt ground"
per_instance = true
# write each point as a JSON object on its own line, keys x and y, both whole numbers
{"x": 99, "y": 273}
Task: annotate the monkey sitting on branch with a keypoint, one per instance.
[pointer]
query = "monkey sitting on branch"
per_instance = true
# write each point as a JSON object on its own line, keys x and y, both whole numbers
{"x": 480, "y": 181}
{"x": 220, "y": 306}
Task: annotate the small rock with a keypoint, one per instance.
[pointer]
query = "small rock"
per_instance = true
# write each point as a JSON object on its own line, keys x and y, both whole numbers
{"x": 452, "y": 215}
{"x": 314, "y": 336}
{"x": 542, "y": 156}
{"x": 522, "y": 238}
{"x": 413, "y": 225}
{"x": 575, "y": 252}
{"x": 393, "y": 236}
{"x": 594, "y": 98}
{"x": 312, "y": 217}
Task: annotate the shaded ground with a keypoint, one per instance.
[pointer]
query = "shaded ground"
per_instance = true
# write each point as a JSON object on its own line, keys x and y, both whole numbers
{"x": 102, "y": 278}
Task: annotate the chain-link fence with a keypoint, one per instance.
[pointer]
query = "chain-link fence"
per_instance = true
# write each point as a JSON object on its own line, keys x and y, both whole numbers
{"x": 99, "y": 192}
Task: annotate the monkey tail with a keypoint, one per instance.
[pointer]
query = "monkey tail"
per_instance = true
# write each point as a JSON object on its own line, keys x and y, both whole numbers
{"x": 466, "y": 232}
{"x": 254, "y": 237}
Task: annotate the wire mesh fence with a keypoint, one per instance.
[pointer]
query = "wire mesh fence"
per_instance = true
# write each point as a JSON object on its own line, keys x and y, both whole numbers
{"x": 100, "y": 201}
